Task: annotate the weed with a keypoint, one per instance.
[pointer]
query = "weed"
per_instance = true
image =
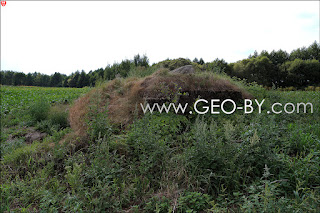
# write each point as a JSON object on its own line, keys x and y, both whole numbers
{"x": 39, "y": 110}
{"x": 193, "y": 202}
{"x": 58, "y": 115}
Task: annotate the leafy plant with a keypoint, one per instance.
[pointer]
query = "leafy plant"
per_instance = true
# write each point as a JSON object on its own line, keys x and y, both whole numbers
{"x": 193, "y": 202}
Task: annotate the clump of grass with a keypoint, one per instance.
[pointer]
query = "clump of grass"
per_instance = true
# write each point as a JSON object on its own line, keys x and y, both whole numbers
{"x": 58, "y": 115}
{"x": 141, "y": 71}
{"x": 39, "y": 110}
{"x": 47, "y": 126}
{"x": 77, "y": 113}
{"x": 21, "y": 154}
{"x": 49, "y": 118}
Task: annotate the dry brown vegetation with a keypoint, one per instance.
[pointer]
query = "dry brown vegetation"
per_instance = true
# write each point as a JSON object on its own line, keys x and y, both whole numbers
{"x": 123, "y": 96}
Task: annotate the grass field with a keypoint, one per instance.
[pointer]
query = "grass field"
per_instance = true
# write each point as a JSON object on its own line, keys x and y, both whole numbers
{"x": 16, "y": 100}
{"x": 162, "y": 162}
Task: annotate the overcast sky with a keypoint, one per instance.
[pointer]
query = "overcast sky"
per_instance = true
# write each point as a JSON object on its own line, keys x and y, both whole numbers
{"x": 57, "y": 36}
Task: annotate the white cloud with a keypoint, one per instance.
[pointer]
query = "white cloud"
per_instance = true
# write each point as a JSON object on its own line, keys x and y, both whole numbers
{"x": 69, "y": 36}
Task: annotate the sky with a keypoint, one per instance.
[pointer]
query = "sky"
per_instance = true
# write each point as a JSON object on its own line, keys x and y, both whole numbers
{"x": 57, "y": 36}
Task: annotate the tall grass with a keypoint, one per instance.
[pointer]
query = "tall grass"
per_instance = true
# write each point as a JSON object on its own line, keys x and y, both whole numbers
{"x": 39, "y": 110}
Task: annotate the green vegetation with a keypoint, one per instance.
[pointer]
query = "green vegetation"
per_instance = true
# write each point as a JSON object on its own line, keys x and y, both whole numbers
{"x": 39, "y": 110}
{"x": 18, "y": 104}
{"x": 161, "y": 162}
{"x": 101, "y": 154}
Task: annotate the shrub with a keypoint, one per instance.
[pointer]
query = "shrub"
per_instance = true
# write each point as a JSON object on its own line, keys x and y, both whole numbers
{"x": 172, "y": 64}
{"x": 39, "y": 110}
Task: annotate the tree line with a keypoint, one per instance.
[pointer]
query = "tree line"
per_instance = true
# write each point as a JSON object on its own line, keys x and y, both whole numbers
{"x": 300, "y": 68}
{"x": 76, "y": 79}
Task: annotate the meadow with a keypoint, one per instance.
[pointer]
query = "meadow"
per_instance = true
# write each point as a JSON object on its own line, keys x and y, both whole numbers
{"x": 255, "y": 162}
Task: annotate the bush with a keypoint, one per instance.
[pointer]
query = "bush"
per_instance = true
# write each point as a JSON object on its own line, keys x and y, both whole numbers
{"x": 172, "y": 64}
{"x": 39, "y": 110}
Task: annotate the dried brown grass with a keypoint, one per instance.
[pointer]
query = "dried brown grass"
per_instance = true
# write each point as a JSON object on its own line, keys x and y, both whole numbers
{"x": 78, "y": 112}
{"x": 123, "y": 96}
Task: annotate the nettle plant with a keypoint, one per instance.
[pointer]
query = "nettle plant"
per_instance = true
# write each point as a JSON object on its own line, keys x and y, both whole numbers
{"x": 97, "y": 119}
{"x": 172, "y": 93}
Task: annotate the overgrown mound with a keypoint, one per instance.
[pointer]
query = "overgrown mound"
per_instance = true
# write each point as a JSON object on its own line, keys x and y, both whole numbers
{"x": 121, "y": 99}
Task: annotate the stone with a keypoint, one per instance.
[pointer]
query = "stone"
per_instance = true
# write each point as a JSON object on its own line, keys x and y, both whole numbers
{"x": 35, "y": 136}
{"x": 188, "y": 69}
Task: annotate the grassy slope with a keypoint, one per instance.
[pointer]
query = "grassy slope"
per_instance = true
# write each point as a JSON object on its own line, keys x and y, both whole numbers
{"x": 219, "y": 163}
